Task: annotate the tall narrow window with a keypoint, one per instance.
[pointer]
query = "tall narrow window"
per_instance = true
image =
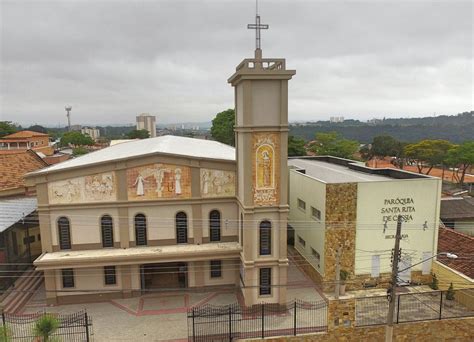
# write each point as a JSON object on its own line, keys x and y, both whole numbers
{"x": 216, "y": 268}
{"x": 215, "y": 225}
{"x": 265, "y": 281}
{"x": 265, "y": 238}
{"x": 107, "y": 228}
{"x": 68, "y": 277}
{"x": 241, "y": 229}
{"x": 140, "y": 230}
{"x": 181, "y": 227}
{"x": 109, "y": 275}
{"x": 64, "y": 233}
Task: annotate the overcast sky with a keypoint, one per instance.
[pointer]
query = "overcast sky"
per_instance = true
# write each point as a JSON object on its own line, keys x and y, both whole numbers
{"x": 112, "y": 60}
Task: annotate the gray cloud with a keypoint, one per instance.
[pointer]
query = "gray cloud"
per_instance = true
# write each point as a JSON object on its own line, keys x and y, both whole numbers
{"x": 114, "y": 59}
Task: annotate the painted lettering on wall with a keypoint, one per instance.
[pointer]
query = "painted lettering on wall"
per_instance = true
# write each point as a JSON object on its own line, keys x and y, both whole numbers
{"x": 393, "y": 207}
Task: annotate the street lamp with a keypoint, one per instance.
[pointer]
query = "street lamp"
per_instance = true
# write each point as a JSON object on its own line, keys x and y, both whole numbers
{"x": 391, "y": 306}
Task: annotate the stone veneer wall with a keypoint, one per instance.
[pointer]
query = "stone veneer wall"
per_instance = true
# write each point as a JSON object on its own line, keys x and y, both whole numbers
{"x": 341, "y": 215}
{"x": 459, "y": 330}
{"x": 341, "y": 327}
{"x": 362, "y": 281}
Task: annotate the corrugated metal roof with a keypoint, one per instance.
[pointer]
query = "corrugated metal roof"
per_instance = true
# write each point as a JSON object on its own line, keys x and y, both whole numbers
{"x": 457, "y": 208}
{"x": 13, "y": 209}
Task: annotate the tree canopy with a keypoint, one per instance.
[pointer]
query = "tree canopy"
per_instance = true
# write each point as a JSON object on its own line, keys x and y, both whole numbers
{"x": 222, "y": 128}
{"x": 38, "y": 128}
{"x": 333, "y": 144}
{"x": 428, "y": 153}
{"x": 296, "y": 146}
{"x": 6, "y": 128}
{"x": 462, "y": 158}
{"x": 138, "y": 134}
{"x": 76, "y": 138}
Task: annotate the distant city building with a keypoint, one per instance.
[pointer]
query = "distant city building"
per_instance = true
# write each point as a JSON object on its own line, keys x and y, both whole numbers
{"x": 76, "y": 128}
{"x": 94, "y": 133}
{"x": 148, "y": 122}
{"x": 335, "y": 119}
{"x": 374, "y": 121}
{"x": 27, "y": 140}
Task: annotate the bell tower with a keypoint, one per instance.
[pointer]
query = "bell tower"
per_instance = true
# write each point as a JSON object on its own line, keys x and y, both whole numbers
{"x": 261, "y": 129}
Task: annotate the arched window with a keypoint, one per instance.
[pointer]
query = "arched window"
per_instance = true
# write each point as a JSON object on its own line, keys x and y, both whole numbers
{"x": 215, "y": 225}
{"x": 140, "y": 230}
{"x": 64, "y": 231}
{"x": 107, "y": 228}
{"x": 265, "y": 238}
{"x": 181, "y": 227}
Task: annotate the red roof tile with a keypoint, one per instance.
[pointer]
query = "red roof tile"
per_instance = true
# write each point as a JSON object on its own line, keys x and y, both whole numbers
{"x": 460, "y": 244}
{"x": 15, "y": 164}
{"x": 25, "y": 134}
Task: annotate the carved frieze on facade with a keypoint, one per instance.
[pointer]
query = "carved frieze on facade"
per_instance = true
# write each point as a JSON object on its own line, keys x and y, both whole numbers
{"x": 94, "y": 188}
{"x": 216, "y": 183}
{"x": 158, "y": 181}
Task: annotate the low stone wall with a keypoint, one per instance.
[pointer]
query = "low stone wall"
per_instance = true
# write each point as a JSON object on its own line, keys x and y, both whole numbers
{"x": 459, "y": 330}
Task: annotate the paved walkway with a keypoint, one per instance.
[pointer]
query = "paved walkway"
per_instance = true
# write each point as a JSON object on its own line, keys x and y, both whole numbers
{"x": 161, "y": 316}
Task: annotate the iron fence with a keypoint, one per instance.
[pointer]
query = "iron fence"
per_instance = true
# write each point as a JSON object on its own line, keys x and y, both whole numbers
{"x": 416, "y": 306}
{"x": 75, "y": 327}
{"x": 226, "y": 323}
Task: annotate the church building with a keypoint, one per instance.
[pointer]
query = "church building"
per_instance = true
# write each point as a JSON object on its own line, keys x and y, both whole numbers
{"x": 170, "y": 212}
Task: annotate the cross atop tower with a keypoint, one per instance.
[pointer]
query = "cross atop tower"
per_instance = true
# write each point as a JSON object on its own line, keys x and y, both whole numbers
{"x": 257, "y": 27}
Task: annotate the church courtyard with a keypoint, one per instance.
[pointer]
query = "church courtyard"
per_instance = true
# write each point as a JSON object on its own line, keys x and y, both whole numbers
{"x": 161, "y": 316}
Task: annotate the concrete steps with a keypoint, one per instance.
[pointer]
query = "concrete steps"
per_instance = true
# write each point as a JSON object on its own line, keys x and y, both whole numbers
{"x": 22, "y": 291}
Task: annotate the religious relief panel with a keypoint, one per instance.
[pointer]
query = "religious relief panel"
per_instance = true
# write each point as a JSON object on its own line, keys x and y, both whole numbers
{"x": 216, "y": 183}
{"x": 94, "y": 188}
{"x": 266, "y": 151}
{"x": 158, "y": 181}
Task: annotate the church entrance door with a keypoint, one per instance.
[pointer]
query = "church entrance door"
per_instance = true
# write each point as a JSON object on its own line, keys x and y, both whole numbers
{"x": 170, "y": 276}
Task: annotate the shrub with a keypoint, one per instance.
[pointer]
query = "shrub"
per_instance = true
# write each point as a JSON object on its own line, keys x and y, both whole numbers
{"x": 343, "y": 275}
{"x": 434, "y": 282}
{"x": 450, "y": 292}
{"x": 45, "y": 326}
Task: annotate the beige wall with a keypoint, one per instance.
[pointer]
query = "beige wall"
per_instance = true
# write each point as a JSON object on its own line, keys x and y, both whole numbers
{"x": 313, "y": 193}
{"x": 229, "y": 212}
{"x": 371, "y": 198}
{"x": 199, "y": 273}
{"x": 84, "y": 225}
{"x": 447, "y": 275}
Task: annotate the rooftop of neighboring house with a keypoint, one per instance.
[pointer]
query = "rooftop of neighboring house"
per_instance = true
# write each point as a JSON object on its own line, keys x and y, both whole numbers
{"x": 168, "y": 144}
{"x": 24, "y": 134}
{"x": 457, "y": 208}
{"x": 329, "y": 169}
{"x": 14, "y": 164}
{"x": 462, "y": 245}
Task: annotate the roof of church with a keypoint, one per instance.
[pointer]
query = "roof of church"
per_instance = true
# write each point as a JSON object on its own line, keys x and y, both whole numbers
{"x": 168, "y": 144}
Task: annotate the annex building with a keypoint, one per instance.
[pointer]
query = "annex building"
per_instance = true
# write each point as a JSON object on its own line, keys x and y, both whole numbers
{"x": 338, "y": 203}
{"x": 172, "y": 212}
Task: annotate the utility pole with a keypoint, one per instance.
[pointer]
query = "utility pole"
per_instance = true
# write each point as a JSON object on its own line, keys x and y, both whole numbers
{"x": 393, "y": 285}
{"x": 338, "y": 272}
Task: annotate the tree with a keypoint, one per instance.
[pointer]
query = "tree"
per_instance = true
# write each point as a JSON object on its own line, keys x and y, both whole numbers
{"x": 428, "y": 153}
{"x": 76, "y": 138}
{"x": 296, "y": 146}
{"x": 46, "y": 326}
{"x": 79, "y": 151}
{"x": 222, "y": 128}
{"x": 38, "y": 128}
{"x": 6, "y": 128}
{"x": 138, "y": 134}
{"x": 333, "y": 144}
{"x": 5, "y": 334}
{"x": 461, "y": 157}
